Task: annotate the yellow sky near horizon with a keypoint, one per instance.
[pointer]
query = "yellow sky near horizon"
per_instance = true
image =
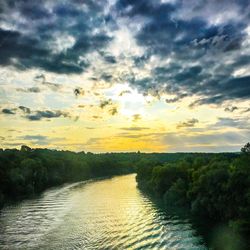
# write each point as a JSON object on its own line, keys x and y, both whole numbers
{"x": 145, "y": 123}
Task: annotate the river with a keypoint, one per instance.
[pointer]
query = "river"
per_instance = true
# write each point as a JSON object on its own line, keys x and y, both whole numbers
{"x": 100, "y": 214}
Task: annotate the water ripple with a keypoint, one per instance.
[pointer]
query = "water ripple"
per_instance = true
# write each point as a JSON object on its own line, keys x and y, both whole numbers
{"x": 104, "y": 214}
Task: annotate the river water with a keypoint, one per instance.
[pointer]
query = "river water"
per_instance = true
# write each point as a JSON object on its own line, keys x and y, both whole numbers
{"x": 101, "y": 214}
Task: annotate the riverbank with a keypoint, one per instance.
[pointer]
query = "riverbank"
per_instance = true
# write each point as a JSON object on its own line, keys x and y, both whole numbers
{"x": 214, "y": 190}
{"x": 28, "y": 172}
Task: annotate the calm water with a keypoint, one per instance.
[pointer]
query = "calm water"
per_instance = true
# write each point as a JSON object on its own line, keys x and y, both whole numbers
{"x": 104, "y": 214}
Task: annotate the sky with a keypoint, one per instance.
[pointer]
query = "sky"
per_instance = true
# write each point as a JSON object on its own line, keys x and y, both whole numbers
{"x": 123, "y": 75}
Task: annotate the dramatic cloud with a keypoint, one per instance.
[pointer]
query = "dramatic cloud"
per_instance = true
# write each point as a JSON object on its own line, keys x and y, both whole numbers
{"x": 53, "y": 36}
{"x": 139, "y": 67}
{"x": 203, "y": 47}
{"x": 199, "y": 48}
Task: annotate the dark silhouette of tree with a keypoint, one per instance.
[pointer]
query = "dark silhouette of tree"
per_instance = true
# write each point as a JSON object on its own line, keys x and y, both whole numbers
{"x": 246, "y": 149}
{"x": 25, "y": 148}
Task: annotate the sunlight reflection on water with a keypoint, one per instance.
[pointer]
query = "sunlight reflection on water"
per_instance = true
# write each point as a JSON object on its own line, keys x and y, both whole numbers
{"x": 103, "y": 214}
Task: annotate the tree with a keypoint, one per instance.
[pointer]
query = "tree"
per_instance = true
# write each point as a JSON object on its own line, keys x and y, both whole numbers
{"x": 246, "y": 149}
{"x": 25, "y": 148}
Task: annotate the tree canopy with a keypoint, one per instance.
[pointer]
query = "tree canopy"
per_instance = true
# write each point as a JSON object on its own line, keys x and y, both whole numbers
{"x": 215, "y": 187}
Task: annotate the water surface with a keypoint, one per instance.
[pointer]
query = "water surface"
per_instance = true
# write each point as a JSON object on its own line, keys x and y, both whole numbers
{"x": 101, "y": 214}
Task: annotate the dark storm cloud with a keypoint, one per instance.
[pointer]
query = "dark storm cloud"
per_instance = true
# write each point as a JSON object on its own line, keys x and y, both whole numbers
{"x": 224, "y": 89}
{"x": 205, "y": 52}
{"x": 30, "y": 40}
{"x": 204, "y": 42}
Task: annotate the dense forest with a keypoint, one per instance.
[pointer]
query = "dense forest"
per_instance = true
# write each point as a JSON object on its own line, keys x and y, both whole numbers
{"x": 28, "y": 171}
{"x": 215, "y": 188}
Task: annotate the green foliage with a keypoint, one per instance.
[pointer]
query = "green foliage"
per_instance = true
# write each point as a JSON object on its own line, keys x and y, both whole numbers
{"x": 216, "y": 187}
{"x": 30, "y": 171}
{"x": 176, "y": 194}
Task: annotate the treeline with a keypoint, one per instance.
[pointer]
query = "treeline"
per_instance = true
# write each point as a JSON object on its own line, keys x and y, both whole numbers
{"x": 30, "y": 171}
{"x": 215, "y": 187}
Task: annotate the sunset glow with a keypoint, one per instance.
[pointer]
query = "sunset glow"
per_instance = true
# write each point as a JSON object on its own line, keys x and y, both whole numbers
{"x": 114, "y": 76}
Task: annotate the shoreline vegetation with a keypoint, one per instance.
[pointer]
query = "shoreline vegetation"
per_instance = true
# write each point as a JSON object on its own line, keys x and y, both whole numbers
{"x": 214, "y": 189}
{"x": 28, "y": 172}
